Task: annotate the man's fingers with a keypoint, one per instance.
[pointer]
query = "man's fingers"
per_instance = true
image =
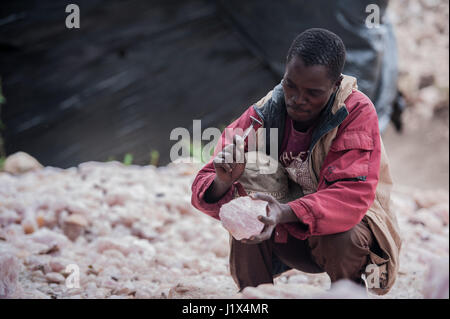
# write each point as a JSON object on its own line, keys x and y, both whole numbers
{"x": 232, "y": 154}
{"x": 229, "y": 148}
{"x": 266, "y": 197}
{"x": 260, "y": 238}
{"x": 218, "y": 159}
{"x": 228, "y": 168}
{"x": 221, "y": 163}
{"x": 224, "y": 157}
{"x": 239, "y": 156}
{"x": 264, "y": 235}
{"x": 238, "y": 140}
{"x": 266, "y": 220}
{"x": 239, "y": 153}
{"x": 267, "y": 232}
{"x": 251, "y": 240}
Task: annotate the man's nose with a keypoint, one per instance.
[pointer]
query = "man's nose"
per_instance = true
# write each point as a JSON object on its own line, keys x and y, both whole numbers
{"x": 298, "y": 98}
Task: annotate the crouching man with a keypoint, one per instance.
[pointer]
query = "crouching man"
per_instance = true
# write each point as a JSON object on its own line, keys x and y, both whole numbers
{"x": 328, "y": 200}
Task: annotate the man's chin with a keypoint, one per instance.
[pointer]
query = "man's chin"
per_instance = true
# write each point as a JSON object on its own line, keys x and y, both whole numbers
{"x": 302, "y": 117}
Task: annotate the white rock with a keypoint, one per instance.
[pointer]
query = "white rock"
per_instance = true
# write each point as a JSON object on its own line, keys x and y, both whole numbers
{"x": 239, "y": 217}
{"x": 20, "y": 162}
{"x": 54, "y": 277}
{"x": 74, "y": 226}
{"x": 9, "y": 274}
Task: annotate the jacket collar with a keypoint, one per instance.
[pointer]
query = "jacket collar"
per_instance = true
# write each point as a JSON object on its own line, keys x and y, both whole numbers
{"x": 335, "y": 112}
{"x": 273, "y": 112}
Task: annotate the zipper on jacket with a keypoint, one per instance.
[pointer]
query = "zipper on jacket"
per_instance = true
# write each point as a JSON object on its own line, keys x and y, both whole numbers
{"x": 350, "y": 179}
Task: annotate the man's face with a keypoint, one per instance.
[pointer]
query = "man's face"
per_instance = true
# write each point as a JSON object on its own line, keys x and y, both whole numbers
{"x": 306, "y": 90}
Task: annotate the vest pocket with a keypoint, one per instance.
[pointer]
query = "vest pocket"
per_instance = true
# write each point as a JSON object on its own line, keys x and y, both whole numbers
{"x": 352, "y": 140}
{"x": 353, "y": 151}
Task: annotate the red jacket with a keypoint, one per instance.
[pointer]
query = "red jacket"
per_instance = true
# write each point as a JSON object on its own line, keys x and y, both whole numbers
{"x": 347, "y": 180}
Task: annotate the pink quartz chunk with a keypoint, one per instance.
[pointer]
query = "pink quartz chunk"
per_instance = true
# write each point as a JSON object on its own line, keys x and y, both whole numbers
{"x": 240, "y": 217}
{"x": 9, "y": 274}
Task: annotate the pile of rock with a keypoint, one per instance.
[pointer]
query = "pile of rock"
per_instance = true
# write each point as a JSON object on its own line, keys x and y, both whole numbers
{"x": 422, "y": 32}
{"x": 106, "y": 230}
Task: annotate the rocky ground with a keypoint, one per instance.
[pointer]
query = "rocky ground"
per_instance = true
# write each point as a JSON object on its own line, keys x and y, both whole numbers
{"x": 420, "y": 155}
{"x": 130, "y": 231}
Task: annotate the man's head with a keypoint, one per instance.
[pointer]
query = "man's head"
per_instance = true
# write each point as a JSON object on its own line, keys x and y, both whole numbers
{"x": 313, "y": 73}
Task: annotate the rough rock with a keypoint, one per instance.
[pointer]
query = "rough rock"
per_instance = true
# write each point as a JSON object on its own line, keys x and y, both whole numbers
{"x": 54, "y": 277}
{"x": 20, "y": 162}
{"x": 74, "y": 226}
{"x": 9, "y": 274}
{"x": 240, "y": 217}
{"x": 436, "y": 284}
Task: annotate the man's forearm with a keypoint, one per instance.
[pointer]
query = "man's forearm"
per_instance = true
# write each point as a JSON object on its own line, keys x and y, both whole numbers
{"x": 216, "y": 190}
{"x": 287, "y": 215}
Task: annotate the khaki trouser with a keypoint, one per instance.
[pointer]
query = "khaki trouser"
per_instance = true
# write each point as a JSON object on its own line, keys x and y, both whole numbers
{"x": 342, "y": 255}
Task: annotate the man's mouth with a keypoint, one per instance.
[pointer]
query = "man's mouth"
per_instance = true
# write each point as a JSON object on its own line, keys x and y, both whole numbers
{"x": 297, "y": 109}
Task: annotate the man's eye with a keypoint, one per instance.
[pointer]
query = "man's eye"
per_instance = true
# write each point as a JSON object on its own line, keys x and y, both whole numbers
{"x": 314, "y": 92}
{"x": 289, "y": 85}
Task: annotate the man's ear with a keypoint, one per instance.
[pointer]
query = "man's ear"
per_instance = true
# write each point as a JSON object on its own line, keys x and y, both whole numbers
{"x": 337, "y": 83}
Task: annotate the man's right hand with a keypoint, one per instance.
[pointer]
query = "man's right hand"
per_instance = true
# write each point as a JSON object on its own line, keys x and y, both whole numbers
{"x": 230, "y": 162}
{"x": 229, "y": 165}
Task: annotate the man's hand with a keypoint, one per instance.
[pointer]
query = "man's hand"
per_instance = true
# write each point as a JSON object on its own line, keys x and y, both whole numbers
{"x": 230, "y": 162}
{"x": 277, "y": 213}
{"x": 229, "y": 165}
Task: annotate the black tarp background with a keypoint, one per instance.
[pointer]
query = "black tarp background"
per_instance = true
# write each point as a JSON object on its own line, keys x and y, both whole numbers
{"x": 137, "y": 69}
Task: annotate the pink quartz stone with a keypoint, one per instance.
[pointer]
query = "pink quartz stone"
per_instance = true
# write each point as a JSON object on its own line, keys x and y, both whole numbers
{"x": 240, "y": 217}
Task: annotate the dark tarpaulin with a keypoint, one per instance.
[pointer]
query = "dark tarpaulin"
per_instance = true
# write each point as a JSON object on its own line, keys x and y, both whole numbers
{"x": 136, "y": 69}
{"x": 133, "y": 71}
{"x": 268, "y": 27}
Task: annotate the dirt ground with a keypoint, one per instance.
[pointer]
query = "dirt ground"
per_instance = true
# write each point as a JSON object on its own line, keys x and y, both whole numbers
{"x": 419, "y": 156}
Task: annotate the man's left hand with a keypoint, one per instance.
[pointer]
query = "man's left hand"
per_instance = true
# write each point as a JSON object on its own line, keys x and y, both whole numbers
{"x": 276, "y": 213}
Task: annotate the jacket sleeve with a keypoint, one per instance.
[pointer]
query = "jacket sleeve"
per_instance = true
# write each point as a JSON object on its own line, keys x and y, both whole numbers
{"x": 347, "y": 181}
{"x": 206, "y": 175}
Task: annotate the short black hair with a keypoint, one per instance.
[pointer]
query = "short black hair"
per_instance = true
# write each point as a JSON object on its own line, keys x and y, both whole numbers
{"x": 319, "y": 47}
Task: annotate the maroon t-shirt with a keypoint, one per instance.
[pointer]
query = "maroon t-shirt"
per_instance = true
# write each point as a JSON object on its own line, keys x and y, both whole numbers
{"x": 297, "y": 143}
